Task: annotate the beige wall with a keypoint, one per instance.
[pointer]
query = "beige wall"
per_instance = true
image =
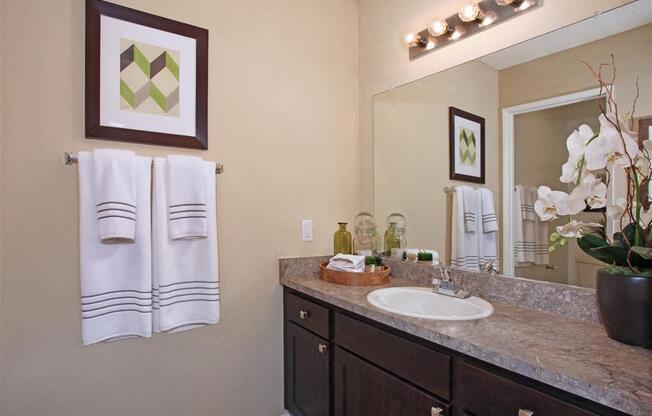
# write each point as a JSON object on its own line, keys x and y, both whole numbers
{"x": 411, "y": 147}
{"x": 384, "y": 62}
{"x": 283, "y": 120}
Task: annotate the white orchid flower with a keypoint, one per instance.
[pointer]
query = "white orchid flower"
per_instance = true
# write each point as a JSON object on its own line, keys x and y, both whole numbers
{"x": 592, "y": 191}
{"x": 576, "y": 144}
{"x": 575, "y": 229}
{"x": 551, "y": 204}
{"x": 609, "y": 150}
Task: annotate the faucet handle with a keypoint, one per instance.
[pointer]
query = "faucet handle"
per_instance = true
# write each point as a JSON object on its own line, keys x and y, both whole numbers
{"x": 445, "y": 274}
{"x": 489, "y": 266}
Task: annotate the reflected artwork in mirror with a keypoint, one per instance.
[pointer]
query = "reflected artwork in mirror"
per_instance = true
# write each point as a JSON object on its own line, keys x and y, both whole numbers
{"x": 529, "y": 98}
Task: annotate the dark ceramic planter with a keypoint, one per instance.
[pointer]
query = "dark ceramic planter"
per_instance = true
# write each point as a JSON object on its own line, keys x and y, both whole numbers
{"x": 625, "y": 304}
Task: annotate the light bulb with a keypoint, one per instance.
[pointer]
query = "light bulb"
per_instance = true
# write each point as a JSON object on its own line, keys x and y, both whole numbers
{"x": 504, "y": 2}
{"x": 488, "y": 19}
{"x": 470, "y": 12}
{"x": 457, "y": 33}
{"x": 411, "y": 39}
{"x": 430, "y": 45}
{"x": 438, "y": 27}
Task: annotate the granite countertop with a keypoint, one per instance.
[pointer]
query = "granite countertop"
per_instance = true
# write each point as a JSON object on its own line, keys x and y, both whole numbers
{"x": 572, "y": 355}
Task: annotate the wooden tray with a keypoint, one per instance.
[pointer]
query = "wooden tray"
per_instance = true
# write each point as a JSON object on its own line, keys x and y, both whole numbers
{"x": 377, "y": 278}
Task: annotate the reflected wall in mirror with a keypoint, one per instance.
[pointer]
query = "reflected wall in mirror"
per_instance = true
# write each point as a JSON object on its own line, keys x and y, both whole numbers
{"x": 531, "y": 96}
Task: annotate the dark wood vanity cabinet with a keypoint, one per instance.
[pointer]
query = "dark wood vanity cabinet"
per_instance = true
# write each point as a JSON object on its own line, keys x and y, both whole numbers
{"x": 341, "y": 364}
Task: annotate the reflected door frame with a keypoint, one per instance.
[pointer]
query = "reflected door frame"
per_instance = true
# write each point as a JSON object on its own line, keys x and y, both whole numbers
{"x": 509, "y": 113}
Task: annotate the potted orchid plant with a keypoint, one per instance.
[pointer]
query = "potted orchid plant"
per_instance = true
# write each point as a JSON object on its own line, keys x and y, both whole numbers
{"x": 624, "y": 285}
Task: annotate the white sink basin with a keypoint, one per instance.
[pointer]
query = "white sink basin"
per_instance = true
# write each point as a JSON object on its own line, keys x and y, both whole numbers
{"x": 419, "y": 302}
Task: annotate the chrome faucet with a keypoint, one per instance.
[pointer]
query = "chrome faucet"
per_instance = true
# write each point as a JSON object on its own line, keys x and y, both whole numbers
{"x": 489, "y": 266}
{"x": 446, "y": 286}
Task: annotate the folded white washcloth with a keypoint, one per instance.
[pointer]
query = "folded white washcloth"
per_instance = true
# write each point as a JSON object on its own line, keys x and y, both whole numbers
{"x": 114, "y": 186}
{"x": 185, "y": 280}
{"x": 187, "y": 192}
{"x": 471, "y": 208}
{"x": 116, "y": 280}
{"x": 487, "y": 245}
{"x": 347, "y": 263}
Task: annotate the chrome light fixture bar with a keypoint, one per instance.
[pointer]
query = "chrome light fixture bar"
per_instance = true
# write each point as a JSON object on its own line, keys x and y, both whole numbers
{"x": 471, "y": 18}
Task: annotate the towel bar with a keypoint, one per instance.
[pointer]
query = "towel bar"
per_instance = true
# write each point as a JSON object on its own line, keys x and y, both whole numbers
{"x": 70, "y": 158}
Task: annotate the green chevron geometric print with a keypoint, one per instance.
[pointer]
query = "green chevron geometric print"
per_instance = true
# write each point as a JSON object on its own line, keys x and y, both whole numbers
{"x": 149, "y": 79}
{"x": 468, "y": 150}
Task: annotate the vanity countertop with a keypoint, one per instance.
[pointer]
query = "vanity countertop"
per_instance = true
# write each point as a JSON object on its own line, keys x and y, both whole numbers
{"x": 572, "y": 355}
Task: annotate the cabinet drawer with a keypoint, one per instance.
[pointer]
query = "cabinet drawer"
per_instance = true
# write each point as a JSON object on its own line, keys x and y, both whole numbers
{"x": 424, "y": 367}
{"x": 307, "y": 314}
{"x": 361, "y": 389}
{"x": 483, "y": 393}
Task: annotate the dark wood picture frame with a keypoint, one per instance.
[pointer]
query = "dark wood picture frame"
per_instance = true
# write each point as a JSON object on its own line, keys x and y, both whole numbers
{"x": 97, "y": 8}
{"x": 452, "y": 113}
{"x": 644, "y": 124}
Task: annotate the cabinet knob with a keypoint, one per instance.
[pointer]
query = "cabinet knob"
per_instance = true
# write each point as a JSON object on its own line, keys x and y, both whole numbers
{"x": 436, "y": 411}
{"x": 322, "y": 348}
{"x": 304, "y": 314}
{"x": 525, "y": 412}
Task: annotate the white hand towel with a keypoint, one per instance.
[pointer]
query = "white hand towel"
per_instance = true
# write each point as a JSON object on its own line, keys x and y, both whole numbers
{"x": 187, "y": 192}
{"x": 116, "y": 280}
{"x": 115, "y": 195}
{"x": 527, "y": 203}
{"x": 541, "y": 235}
{"x": 347, "y": 263}
{"x": 185, "y": 272}
{"x": 464, "y": 244}
{"x": 470, "y": 208}
{"x": 489, "y": 220}
{"x": 488, "y": 248}
{"x": 523, "y": 228}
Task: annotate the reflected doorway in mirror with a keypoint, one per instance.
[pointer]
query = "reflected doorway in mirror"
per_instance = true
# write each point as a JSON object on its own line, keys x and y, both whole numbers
{"x": 466, "y": 146}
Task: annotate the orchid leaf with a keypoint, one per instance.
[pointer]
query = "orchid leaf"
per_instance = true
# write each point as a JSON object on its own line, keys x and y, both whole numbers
{"x": 644, "y": 252}
{"x": 597, "y": 247}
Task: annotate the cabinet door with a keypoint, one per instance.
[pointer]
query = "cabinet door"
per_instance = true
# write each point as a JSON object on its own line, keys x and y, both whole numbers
{"x": 306, "y": 372}
{"x": 361, "y": 389}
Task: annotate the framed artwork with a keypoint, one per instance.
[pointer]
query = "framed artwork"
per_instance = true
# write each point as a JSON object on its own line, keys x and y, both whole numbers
{"x": 146, "y": 78}
{"x": 466, "y": 146}
{"x": 645, "y": 128}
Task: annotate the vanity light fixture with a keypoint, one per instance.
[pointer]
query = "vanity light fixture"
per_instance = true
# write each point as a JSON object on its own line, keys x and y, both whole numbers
{"x": 475, "y": 16}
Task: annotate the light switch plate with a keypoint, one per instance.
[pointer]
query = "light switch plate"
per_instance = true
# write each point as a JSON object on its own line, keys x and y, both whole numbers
{"x": 306, "y": 230}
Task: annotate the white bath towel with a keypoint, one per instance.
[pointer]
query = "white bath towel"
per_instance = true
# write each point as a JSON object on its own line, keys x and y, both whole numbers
{"x": 464, "y": 244}
{"x": 185, "y": 272}
{"x": 487, "y": 244}
{"x": 114, "y": 187}
{"x": 527, "y": 198}
{"x": 116, "y": 280}
{"x": 347, "y": 263}
{"x": 187, "y": 196}
{"x": 523, "y": 228}
{"x": 471, "y": 208}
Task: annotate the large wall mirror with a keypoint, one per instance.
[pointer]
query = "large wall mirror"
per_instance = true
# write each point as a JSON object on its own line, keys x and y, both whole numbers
{"x": 530, "y": 97}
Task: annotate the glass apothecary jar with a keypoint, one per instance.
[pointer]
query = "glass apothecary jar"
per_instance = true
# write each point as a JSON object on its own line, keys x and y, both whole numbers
{"x": 365, "y": 242}
{"x": 395, "y": 238}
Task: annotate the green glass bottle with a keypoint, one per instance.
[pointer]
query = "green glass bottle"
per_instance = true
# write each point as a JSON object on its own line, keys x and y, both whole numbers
{"x": 342, "y": 240}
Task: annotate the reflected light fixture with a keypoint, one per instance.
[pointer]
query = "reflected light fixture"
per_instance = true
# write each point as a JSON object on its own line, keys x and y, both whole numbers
{"x": 475, "y": 16}
{"x": 457, "y": 33}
